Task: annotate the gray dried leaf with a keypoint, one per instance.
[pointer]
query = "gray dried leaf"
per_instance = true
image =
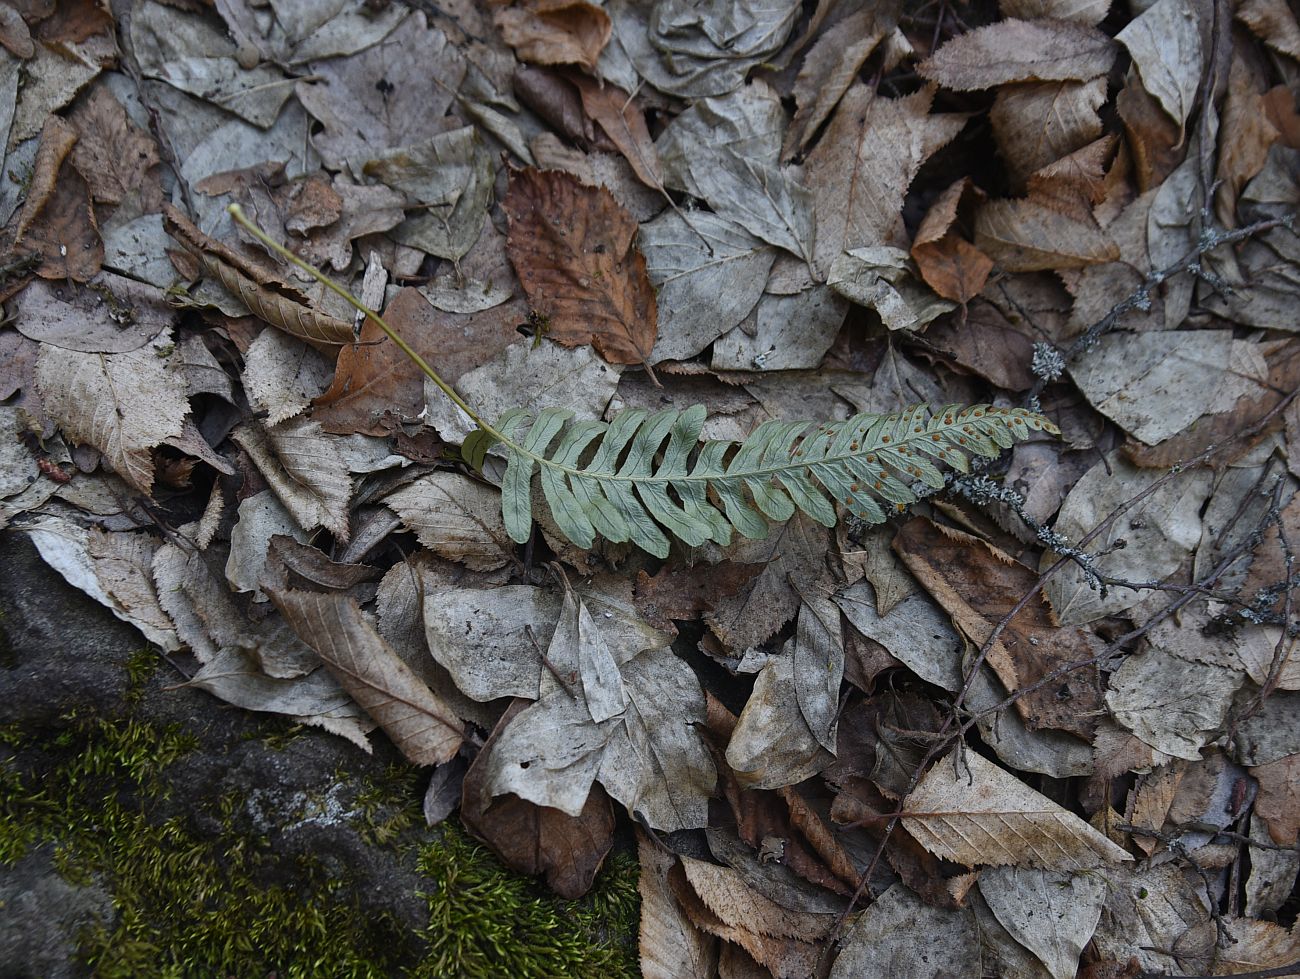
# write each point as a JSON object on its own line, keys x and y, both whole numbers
{"x": 261, "y": 517}
{"x": 304, "y": 31}
{"x": 651, "y": 757}
{"x": 772, "y": 745}
{"x": 122, "y": 404}
{"x": 915, "y": 631}
{"x": 901, "y": 935}
{"x": 763, "y": 198}
{"x": 783, "y": 332}
{"x": 709, "y": 274}
{"x": 1165, "y": 44}
{"x": 671, "y": 946}
{"x": 1090, "y": 12}
{"x": 747, "y": 122}
{"x": 305, "y": 468}
{"x": 1046, "y": 751}
{"x": 113, "y": 569}
{"x": 455, "y": 517}
{"x": 110, "y": 315}
{"x": 819, "y": 666}
{"x": 1156, "y": 915}
{"x": 1053, "y": 914}
{"x": 1160, "y": 531}
{"x": 883, "y": 278}
{"x": 282, "y": 375}
{"x": 421, "y": 726}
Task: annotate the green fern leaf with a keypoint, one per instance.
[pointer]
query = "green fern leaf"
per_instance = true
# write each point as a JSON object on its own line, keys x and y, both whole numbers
{"x": 634, "y": 479}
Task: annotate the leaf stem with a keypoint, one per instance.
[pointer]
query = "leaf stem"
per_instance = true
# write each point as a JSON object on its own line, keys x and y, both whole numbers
{"x": 237, "y": 213}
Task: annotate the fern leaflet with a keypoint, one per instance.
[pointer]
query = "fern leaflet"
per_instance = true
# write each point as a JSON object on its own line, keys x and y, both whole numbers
{"x": 644, "y": 476}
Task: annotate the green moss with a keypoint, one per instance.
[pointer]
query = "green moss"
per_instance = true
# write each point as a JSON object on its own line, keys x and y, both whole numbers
{"x": 201, "y": 906}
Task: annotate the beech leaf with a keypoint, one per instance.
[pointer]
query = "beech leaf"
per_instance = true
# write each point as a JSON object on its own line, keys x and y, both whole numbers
{"x": 1020, "y": 51}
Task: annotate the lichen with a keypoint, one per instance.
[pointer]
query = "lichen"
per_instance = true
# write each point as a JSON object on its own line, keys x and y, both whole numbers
{"x": 200, "y": 905}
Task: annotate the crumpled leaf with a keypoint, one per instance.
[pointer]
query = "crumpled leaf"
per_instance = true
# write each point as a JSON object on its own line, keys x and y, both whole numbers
{"x": 899, "y": 934}
{"x": 122, "y": 404}
{"x": 970, "y": 811}
{"x": 532, "y": 839}
{"x": 1036, "y": 123}
{"x": 113, "y": 569}
{"x": 115, "y": 156}
{"x": 57, "y": 222}
{"x": 651, "y": 757}
{"x": 556, "y": 32}
{"x": 1165, "y": 44}
{"x": 1156, "y": 915}
{"x": 1020, "y": 51}
{"x": 1161, "y": 531}
{"x": 366, "y": 666}
{"x": 1258, "y": 946}
{"x": 190, "y": 53}
{"x": 691, "y": 51}
{"x": 455, "y": 517}
{"x": 1052, "y": 914}
{"x": 573, "y": 247}
{"x": 282, "y": 375}
{"x": 915, "y": 631}
{"x": 862, "y": 166}
{"x": 881, "y": 278}
{"x": 1171, "y": 704}
{"x": 709, "y": 273}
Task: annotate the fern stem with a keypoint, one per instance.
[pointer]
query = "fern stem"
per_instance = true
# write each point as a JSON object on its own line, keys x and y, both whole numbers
{"x": 237, "y": 213}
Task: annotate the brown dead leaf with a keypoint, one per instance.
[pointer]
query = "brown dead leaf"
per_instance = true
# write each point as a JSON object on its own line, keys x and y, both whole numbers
{"x": 671, "y": 946}
{"x": 533, "y": 839}
{"x": 57, "y": 223}
{"x": 950, "y": 265}
{"x": 421, "y": 726}
{"x": 1273, "y": 21}
{"x": 968, "y": 810}
{"x": 1037, "y": 123}
{"x": 1150, "y": 799}
{"x": 1245, "y": 135}
{"x": 687, "y": 593}
{"x": 862, "y": 166}
{"x": 574, "y": 250}
{"x": 624, "y": 123}
{"x": 1278, "y": 803}
{"x": 986, "y": 342}
{"x": 1258, "y": 948}
{"x": 14, "y": 35}
{"x": 115, "y": 156}
{"x": 1154, "y": 140}
{"x": 309, "y": 565}
{"x": 375, "y": 385}
{"x": 555, "y": 32}
{"x": 977, "y": 585}
{"x": 1040, "y": 232}
{"x": 1020, "y": 51}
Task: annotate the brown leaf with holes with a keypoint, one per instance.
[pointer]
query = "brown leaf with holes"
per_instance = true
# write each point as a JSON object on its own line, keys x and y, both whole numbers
{"x": 533, "y": 839}
{"x": 57, "y": 223}
{"x": 978, "y": 585}
{"x": 420, "y": 724}
{"x": 556, "y": 32}
{"x": 574, "y": 249}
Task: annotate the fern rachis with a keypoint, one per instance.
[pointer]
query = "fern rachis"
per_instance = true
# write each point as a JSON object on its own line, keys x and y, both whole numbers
{"x": 643, "y": 473}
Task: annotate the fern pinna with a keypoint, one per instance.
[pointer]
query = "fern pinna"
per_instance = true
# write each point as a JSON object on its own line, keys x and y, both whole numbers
{"x": 643, "y": 473}
{"x": 646, "y": 473}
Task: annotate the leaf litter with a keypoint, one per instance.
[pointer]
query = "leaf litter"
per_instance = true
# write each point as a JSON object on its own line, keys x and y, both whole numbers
{"x": 1044, "y": 725}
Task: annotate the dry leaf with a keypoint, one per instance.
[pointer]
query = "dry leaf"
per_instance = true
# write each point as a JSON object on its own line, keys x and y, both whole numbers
{"x": 456, "y": 517}
{"x": 555, "y": 32}
{"x": 861, "y": 168}
{"x": 57, "y": 223}
{"x": 305, "y": 469}
{"x": 122, "y": 404}
{"x": 1156, "y": 915}
{"x": 1165, "y": 44}
{"x": 914, "y": 630}
{"x": 1037, "y": 123}
{"x": 671, "y": 946}
{"x": 1020, "y": 51}
{"x": 365, "y": 665}
{"x": 624, "y": 123}
{"x": 1052, "y": 914}
{"x": 900, "y": 935}
{"x": 970, "y": 811}
{"x": 1036, "y": 233}
{"x": 978, "y": 586}
{"x": 1258, "y": 946}
{"x": 1278, "y": 804}
{"x": 573, "y": 247}
{"x": 111, "y": 314}
{"x": 114, "y": 155}
{"x": 1273, "y": 21}
{"x": 282, "y": 375}
{"x": 1091, "y": 12}
{"x": 533, "y": 839}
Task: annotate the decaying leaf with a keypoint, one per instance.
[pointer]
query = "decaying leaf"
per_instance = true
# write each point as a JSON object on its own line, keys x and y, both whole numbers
{"x": 555, "y": 32}
{"x": 1052, "y": 914}
{"x": 1021, "y": 51}
{"x": 970, "y": 811}
{"x": 304, "y": 469}
{"x": 573, "y": 249}
{"x": 1165, "y": 44}
{"x": 671, "y": 945}
{"x": 899, "y": 934}
{"x": 456, "y": 517}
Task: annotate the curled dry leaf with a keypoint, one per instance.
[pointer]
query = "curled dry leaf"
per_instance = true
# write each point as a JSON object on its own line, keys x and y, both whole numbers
{"x": 968, "y": 810}
{"x": 1038, "y": 122}
{"x": 671, "y": 945}
{"x": 1165, "y": 44}
{"x": 366, "y": 666}
{"x": 624, "y": 123}
{"x": 57, "y": 223}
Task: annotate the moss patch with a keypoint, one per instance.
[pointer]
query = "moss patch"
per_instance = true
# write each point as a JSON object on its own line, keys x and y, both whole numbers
{"x": 190, "y": 905}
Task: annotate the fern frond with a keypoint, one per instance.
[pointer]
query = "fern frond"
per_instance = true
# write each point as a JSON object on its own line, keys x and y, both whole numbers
{"x": 644, "y": 476}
